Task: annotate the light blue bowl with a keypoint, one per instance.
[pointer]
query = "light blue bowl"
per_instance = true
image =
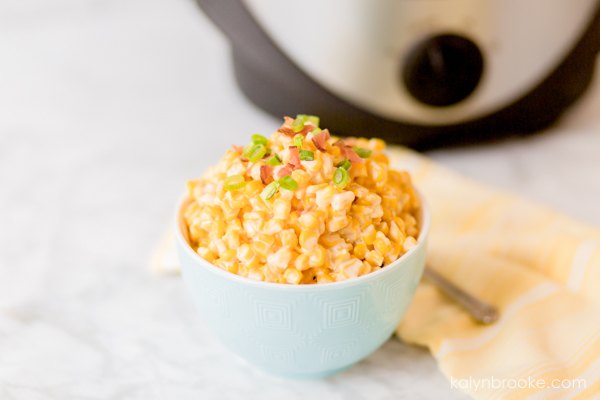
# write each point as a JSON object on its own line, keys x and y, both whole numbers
{"x": 302, "y": 331}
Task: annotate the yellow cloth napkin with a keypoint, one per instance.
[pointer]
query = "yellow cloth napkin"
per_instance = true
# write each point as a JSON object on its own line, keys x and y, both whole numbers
{"x": 540, "y": 268}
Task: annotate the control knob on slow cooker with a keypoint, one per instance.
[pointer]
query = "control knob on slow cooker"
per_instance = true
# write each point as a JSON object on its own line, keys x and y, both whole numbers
{"x": 443, "y": 70}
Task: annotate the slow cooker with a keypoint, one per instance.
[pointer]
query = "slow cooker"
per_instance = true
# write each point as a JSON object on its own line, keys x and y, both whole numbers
{"x": 423, "y": 73}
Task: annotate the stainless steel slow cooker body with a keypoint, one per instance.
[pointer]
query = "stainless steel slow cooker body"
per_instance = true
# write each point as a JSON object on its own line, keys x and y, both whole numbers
{"x": 423, "y": 73}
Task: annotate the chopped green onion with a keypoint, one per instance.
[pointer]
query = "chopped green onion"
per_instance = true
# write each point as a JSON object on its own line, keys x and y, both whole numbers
{"x": 346, "y": 164}
{"x": 341, "y": 177}
{"x": 313, "y": 119}
{"x": 259, "y": 139}
{"x": 306, "y": 155}
{"x": 274, "y": 161}
{"x": 270, "y": 190}
{"x": 298, "y": 141}
{"x": 287, "y": 182}
{"x": 234, "y": 182}
{"x": 268, "y": 153}
{"x": 248, "y": 150}
{"x": 362, "y": 152}
{"x": 297, "y": 125}
{"x": 316, "y": 131}
{"x": 254, "y": 152}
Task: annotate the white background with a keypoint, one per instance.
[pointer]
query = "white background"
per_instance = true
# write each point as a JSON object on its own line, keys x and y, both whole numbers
{"x": 107, "y": 107}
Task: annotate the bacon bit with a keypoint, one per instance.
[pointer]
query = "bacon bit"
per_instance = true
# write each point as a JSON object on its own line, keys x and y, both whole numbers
{"x": 319, "y": 140}
{"x": 352, "y": 156}
{"x": 350, "y": 141}
{"x": 286, "y": 131}
{"x": 288, "y": 122}
{"x": 265, "y": 173}
{"x": 308, "y": 127}
{"x": 284, "y": 171}
{"x": 342, "y": 146}
{"x": 286, "y": 128}
{"x": 238, "y": 149}
{"x": 294, "y": 156}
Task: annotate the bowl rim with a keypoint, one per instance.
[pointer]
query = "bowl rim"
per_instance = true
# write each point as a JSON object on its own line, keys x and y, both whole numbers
{"x": 424, "y": 222}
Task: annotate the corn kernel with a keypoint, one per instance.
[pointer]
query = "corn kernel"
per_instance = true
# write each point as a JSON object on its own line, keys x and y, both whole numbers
{"x": 228, "y": 254}
{"x": 329, "y": 241}
{"x": 280, "y": 259}
{"x": 325, "y": 196}
{"x": 301, "y": 177}
{"x": 358, "y": 170}
{"x": 351, "y": 268}
{"x": 409, "y": 243}
{"x": 337, "y": 223}
{"x": 239, "y": 202}
{"x": 309, "y": 240}
{"x": 253, "y": 188}
{"x": 245, "y": 253}
{"x": 261, "y": 249}
{"x": 395, "y": 233}
{"x": 368, "y": 235}
{"x": 324, "y": 278}
{"x": 313, "y": 166}
{"x": 309, "y": 220}
{"x": 267, "y": 239}
{"x": 301, "y": 262}
{"x": 258, "y": 204}
{"x": 243, "y": 270}
{"x": 366, "y": 268}
{"x": 376, "y": 144}
{"x": 232, "y": 239}
{"x": 360, "y": 251}
{"x": 412, "y": 231}
{"x": 256, "y": 274}
{"x": 408, "y": 219}
{"x": 255, "y": 216}
{"x": 254, "y": 262}
{"x": 292, "y": 275}
{"x": 220, "y": 264}
{"x": 317, "y": 258}
{"x": 381, "y": 247}
{"x": 273, "y": 226}
{"x": 233, "y": 268}
{"x": 212, "y": 211}
{"x": 205, "y": 253}
{"x": 253, "y": 228}
{"x": 381, "y": 159}
{"x": 374, "y": 258}
{"x": 383, "y": 228}
{"x": 289, "y": 238}
{"x": 405, "y": 176}
{"x": 308, "y": 201}
{"x": 308, "y": 277}
{"x": 270, "y": 274}
{"x": 229, "y": 211}
{"x": 281, "y": 208}
{"x": 342, "y": 201}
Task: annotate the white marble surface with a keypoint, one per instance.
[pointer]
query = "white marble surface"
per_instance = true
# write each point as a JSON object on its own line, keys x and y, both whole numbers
{"x": 106, "y": 108}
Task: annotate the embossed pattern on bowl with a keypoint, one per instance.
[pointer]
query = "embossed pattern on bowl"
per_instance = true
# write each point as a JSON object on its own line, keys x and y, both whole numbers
{"x": 303, "y": 331}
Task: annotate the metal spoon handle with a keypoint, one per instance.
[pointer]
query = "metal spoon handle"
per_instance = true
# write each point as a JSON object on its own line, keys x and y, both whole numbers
{"x": 480, "y": 310}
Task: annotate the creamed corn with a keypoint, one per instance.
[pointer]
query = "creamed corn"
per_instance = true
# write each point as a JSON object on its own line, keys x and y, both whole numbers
{"x": 317, "y": 232}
